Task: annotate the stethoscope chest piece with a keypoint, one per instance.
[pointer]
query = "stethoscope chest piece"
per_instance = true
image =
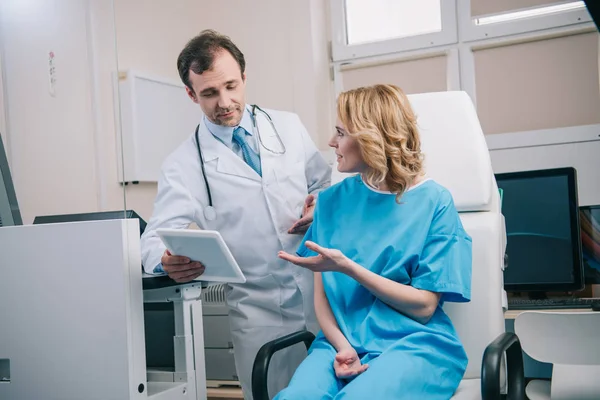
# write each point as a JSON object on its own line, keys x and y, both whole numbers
{"x": 210, "y": 213}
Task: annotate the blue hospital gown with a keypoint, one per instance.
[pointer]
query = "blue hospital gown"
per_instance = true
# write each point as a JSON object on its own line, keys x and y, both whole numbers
{"x": 420, "y": 242}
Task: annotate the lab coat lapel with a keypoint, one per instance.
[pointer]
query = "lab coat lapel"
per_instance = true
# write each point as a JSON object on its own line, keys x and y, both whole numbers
{"x": 227, "y": 161}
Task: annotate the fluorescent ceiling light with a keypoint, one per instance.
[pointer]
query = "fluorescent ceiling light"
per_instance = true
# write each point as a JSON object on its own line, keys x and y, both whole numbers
{"x": 536, "y": 12}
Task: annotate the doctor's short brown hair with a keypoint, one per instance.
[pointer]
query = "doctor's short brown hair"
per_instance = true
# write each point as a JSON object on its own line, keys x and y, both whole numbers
{"x": 199, "y": 53}
{"x": 383, "y": 122}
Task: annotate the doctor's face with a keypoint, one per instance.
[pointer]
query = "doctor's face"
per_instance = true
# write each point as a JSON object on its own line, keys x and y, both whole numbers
{"x": 220, "y": 91}
{"x": 347, "y": 151}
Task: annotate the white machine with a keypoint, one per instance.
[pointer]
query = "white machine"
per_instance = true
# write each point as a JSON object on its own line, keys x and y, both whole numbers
{"x": 218, "y": 344}
{"x": 72, "y": 317}
{"x": 159, "y": 323}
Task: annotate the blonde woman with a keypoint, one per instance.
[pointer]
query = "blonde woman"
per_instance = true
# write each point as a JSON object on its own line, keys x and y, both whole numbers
{"x": 388, "y": 249}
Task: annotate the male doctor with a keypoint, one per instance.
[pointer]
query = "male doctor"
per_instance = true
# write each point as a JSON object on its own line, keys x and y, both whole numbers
{"x": 257, "y": 189}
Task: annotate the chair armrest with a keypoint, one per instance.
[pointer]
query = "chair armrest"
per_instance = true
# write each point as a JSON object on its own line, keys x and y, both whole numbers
{"x": 263, "y": 358}
{"x": 491, "y": 367}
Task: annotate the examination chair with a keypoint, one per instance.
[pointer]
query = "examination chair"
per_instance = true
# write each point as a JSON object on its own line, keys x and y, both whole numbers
{"x": 457, "y": 157}
{"x": 569, "y": 341}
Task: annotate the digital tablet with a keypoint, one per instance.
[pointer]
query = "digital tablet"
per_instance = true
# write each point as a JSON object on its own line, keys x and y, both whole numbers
{"x": 207, "y": 247}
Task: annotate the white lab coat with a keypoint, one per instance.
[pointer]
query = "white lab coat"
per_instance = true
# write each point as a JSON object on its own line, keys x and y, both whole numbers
{"x": 253, "y": 217}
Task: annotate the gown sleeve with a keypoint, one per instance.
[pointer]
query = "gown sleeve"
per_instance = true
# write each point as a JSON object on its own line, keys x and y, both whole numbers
{"x": 446, "y": 259}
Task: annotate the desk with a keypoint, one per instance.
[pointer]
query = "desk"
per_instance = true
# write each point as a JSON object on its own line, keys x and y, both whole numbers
{"x": 224, "y": 393}
{"x": 512, "y": 314}
{"x": 223, "y": 390}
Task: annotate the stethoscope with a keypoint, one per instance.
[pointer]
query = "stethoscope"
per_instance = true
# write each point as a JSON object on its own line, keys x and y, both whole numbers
{"x": 209, "y": 212}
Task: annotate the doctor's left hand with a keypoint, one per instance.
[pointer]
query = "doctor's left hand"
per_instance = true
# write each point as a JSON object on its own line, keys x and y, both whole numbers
{"x": 301, "y": 226}
{"x": 325, "y": 260}
{"x": 181, "y": 269}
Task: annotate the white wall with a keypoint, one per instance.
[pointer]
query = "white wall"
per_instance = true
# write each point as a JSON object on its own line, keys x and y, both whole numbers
{"x": 52, "y": 140}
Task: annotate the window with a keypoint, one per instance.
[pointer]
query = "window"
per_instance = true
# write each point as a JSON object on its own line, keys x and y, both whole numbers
{"x": 377, "y": 20}
{"x": 494, "y": 7}
{"x": 486, "y": 19}
{"x": 362, "y": 28}
{"x": 528, "y": 13}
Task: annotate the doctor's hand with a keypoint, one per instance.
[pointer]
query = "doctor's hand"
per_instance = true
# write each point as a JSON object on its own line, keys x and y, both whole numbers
{"x": 325, "y": 260}
{"x": 347, "y": 364}
{"x": 181, "y": 269}
{"x": 301, "y": 226}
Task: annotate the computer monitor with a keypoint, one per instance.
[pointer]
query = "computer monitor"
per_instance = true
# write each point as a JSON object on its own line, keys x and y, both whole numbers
{"x": 9, "y": 208}
{"x": 589, "y": 219}
{"x": 93, "y": 216}
{"x": 543, "y": 235}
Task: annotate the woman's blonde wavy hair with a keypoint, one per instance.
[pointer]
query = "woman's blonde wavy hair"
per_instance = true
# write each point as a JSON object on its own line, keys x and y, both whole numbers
{"x": 381, "y": 119}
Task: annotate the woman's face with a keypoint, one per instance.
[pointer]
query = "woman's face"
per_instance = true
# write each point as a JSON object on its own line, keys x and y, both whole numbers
{"x": 347, "y": 150}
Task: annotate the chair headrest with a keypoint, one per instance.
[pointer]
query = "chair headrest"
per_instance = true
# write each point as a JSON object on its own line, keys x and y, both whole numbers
{"x": 455, "y": 150}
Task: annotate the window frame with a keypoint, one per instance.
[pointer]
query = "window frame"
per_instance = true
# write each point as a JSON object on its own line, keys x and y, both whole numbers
{"x": 452, "y": 64}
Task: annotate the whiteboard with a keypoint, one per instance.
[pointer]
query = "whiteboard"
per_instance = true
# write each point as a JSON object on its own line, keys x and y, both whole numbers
{"x": 156, "y": 117}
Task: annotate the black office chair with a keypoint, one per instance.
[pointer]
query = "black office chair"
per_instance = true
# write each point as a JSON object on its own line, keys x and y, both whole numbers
{"x": 263, "y": 358}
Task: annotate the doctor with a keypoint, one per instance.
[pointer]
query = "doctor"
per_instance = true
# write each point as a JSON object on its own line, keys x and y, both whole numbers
{"x": 252, "y": 175}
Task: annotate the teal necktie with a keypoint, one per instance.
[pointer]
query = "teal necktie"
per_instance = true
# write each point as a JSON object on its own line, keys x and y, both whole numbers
{"x": 250, "y": 156}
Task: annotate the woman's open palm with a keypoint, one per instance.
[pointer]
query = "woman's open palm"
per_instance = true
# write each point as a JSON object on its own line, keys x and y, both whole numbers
{"x": 325, "y": 260}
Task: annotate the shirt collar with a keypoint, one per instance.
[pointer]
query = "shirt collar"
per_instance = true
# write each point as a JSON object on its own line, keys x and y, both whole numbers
{"x": 225, "y": 133}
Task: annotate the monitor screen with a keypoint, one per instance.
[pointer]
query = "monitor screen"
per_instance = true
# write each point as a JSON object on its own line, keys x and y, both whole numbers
{"x": 542, "y": 227}
{"x": 589, "y": 219}
{"x": 9, "y": 208}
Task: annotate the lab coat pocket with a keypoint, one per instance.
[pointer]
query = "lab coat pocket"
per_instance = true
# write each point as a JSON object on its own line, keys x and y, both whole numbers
{"x": 292, "y": 184}
{"x": 257, "y": 303}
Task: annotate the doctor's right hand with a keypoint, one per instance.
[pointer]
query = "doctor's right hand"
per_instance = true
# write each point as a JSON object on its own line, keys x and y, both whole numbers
{"x": 181, "y": 269}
